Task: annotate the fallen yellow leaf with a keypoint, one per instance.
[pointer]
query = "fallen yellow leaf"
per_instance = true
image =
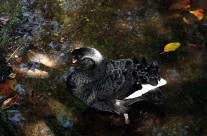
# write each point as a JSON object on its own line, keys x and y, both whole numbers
{"x": 186, "y": 20}
{"x": 198, "y": 13}
{"x": 171, "y": 47}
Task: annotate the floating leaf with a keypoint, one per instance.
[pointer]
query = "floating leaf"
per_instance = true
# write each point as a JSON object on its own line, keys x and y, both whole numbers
{"x": 175, "y": 6}
{"x": 19, "y": 59}
{"x": 192, "y": 45}
{"x": 198, "y": 13}
{"x": 179, "y": 5}
{"x": 186, "y": 7}
{"x": 12, "y": 75}
{"x": 186, "y": 20}
{"x": 171, "y": 47}
{"x": 7, "y": 88}
{"x": 175, "y": 16}
{"x": 10, "y": 102}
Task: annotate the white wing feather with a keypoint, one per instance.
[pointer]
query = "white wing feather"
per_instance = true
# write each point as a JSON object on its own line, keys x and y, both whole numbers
{"x": 146, "y": 88}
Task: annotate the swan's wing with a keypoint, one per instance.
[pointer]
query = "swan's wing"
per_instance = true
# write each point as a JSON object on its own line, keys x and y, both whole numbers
{"x": 112, "y": 88}
{"x": 116, "y": 82}
{"x": 146, "y": 88}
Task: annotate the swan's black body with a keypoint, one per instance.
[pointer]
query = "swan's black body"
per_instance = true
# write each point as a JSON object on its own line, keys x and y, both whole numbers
{"x": 107, "y": 84}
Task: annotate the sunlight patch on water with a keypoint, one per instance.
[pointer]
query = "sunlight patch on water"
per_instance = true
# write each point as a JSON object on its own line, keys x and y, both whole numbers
{"x": 39, "y": 128}
{"x": 42, "y": 58}
{"x": 36, "y": 73}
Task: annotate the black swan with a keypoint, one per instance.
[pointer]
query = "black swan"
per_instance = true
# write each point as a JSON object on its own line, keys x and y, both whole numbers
{"x": 113, "y": 85}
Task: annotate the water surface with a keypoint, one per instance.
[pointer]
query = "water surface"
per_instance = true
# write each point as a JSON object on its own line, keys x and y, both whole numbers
{"x": 118, "y": 29}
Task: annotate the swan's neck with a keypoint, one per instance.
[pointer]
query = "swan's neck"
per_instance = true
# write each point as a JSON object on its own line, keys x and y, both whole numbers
{"x": 96, "y": 57}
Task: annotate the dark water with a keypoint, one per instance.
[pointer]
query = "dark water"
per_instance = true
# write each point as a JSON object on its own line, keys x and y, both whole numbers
{"x": 118, "y": 29}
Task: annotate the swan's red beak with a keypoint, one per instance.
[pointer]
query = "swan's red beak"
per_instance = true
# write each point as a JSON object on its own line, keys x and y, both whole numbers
{"x": 74, "y": 60}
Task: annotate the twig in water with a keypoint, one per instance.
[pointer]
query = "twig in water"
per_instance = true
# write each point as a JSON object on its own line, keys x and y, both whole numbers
{"x": 14, "y": 52}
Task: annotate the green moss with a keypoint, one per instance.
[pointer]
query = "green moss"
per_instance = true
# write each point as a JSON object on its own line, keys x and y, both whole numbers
{"x": 10, "y": 9}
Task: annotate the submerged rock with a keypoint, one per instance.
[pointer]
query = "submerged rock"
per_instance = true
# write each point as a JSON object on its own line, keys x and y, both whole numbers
{"x": 5, "y": 70}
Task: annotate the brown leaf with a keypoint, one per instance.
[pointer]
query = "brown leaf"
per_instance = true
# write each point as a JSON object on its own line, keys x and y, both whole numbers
{"x": 10, "y": 102}
{"x": 192, "y": 45}
{"x": 19, "y": 59}
{"x": 7, "y": 88}
{"x": 186, "y": 7}
{"x": 179, "y": 5}
{"x": 198, "y": 13}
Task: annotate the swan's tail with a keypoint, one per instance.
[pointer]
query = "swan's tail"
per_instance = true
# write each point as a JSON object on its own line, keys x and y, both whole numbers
{"x": 148, "y": 78}
{"x": 146, "y": 88}
{"x": 146, "y": 74}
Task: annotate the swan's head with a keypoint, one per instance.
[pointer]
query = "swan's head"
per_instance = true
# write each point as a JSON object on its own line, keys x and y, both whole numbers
{"x": 87, "y": 53}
